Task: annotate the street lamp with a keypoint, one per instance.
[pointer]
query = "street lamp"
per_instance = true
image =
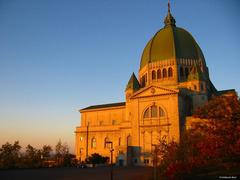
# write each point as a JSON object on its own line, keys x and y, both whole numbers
{"x": 111, "y": 151}
{"x": 80, "y": 150}
{"x": 81, "y": 155}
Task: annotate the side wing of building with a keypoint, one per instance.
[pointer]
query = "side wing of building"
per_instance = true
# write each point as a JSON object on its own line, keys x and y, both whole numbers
{"x": 100, "y": 124}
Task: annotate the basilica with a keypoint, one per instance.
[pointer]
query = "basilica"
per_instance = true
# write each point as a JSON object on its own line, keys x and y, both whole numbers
{"x": 172, "y": 81}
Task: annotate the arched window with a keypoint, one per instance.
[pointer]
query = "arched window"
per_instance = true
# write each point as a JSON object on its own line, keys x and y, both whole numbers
{"x": 93, "y": 143}
{"x": 153, "y": 75}
{"x": 158, "y": 74}
{"x": 129, "y": 140}
{"x": 106, "y": 145}
{"x": 114, "y": 122}
{"x": 161, "y": 112}
{"x": 202, "y": 87}
{"x": 186, "y": 72}
{"x": 181, "y": 72}
{"x": 194, "y": 70}
{"x": 144, "y": 80}
{"x": 141, "y": 81}
{"x": 146, "y": 113}
{"x": 195, "y": 87}
{"x": 164, "y": 73}
{"x": 154, "y": 111}
{"x": 170, "y": 72}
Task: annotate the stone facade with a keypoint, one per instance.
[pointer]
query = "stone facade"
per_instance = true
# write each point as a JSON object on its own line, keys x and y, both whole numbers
{"x": 167, "y": 90}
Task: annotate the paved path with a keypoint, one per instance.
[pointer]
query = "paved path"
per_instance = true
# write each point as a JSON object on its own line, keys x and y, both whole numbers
{"x": 99, "y": 173}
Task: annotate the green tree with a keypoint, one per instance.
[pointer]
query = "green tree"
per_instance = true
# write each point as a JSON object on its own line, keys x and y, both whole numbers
{"x": 61, "y": 149}
{"x": 220, "y": 108}
{"x": 46, "y": 151}
{"x": 10, "y": 155}
{"x": 62, "y": 154}
{"x": 32, "y": 157}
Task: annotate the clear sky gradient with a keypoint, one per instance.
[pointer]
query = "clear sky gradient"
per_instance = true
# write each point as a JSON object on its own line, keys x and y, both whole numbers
{"x": 58, "y": 56}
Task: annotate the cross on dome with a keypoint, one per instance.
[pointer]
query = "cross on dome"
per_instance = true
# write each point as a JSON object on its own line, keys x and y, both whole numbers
{"x": 169, "y": 20}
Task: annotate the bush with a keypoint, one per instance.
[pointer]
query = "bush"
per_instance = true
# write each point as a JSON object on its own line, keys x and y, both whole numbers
{"x": 97, "y": 159}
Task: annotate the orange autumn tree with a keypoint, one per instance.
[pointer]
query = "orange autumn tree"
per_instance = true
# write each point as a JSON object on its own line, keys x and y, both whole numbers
{"x": 213, "y": 143}
{"x": 222, "y": 130}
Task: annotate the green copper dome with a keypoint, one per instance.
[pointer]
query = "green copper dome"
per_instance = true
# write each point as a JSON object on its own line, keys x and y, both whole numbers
{"x": 170, "y": 42}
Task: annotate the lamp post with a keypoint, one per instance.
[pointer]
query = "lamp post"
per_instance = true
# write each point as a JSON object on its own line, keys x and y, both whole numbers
{"x": 42, "y": 160}
{"x": 111, "y": 165}
{"x": 81, "y": 149}
{"x": 87, "y": 140}
{"x": 80, "y": 155}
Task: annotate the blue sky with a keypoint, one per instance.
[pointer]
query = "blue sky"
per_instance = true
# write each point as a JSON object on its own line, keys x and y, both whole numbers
{"x": 59, "y": 56}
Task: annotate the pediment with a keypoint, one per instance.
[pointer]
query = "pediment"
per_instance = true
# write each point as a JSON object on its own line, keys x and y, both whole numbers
{"x": 154, "y": 91}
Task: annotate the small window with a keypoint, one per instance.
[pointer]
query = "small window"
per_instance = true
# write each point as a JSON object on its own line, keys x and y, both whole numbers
{"x": 161, "y": 112}
{"x": 100, "y": 123}
{"x": 186, "y": 72}
{"x": 202, "y": 87}
{"x": 158, "y": 74}
{"x": 135, "y": 160}
{"x": 170, "y": 72}
{"x": 153, "y": 75}
{"x": 164, "y": 72}
{"x": 195, "y": 87}
{"x": 144, "y": 80}
{"x": 153, "y": 111}
{"x": 119, "y": 141}
{"x": 129, "y": 140}
{"x": 146, "y": 161}
{"x": 93, "y": 143}
{"x": 181, "y": 72}
{"x": 106, "y": 145}
{"x": 114, "y": 122}
{"x": 146, "y": 113}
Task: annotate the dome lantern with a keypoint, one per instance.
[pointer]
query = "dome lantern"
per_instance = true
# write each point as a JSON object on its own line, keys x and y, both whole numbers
{"x": 169, "y": 19}
{"x": 171, "y": 43}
